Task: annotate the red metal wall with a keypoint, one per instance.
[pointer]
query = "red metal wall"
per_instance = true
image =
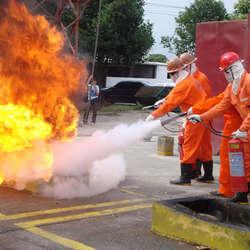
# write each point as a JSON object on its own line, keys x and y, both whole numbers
{"x": 212, "y": 40}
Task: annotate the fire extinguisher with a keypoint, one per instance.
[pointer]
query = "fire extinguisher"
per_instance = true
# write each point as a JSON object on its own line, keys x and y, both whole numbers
{"x": 180, "y": 142}
{"x": 237, "y": 168}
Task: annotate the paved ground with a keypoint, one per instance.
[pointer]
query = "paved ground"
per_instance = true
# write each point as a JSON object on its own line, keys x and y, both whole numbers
{"x": 118, "y": 219}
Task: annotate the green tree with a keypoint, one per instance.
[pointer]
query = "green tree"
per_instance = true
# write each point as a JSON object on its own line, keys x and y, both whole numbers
{"x": 156, "y": 58}
{"x": 200, "y": 11}
{"x": 124, "y": 35}
{"x": 241, "y": 9}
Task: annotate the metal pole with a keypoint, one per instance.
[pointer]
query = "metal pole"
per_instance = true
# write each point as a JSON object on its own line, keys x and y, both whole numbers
{"x": 77, "y": 28}
{"x": 97, "y": 36}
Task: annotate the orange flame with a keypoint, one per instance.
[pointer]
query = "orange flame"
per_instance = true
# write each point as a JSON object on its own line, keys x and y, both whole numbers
{"x": 36, "y": 80}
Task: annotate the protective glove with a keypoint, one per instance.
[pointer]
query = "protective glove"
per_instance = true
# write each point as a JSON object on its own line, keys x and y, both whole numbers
{"x": 239, "y": 134}
{"x": 190, "y": 111}
{"x": 194, "y": 118}
{"x": 158, "y": 103}
{"x": 149, "y": 118}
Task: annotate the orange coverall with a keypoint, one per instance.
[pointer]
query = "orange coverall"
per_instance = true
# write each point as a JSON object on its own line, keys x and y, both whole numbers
{"x": 186, "y": 94}
{"x": 232, "y": 122}
{"x": 206, "y": 150}
{"x": 202, "y": 78}
{"x": 241, "y": 102}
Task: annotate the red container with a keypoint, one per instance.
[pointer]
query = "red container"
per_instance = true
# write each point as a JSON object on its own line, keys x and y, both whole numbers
{"x": 237, "y": 168}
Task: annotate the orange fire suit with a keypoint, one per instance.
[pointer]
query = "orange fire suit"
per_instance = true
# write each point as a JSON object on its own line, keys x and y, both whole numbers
{"x": 202, "y": 78}
{"x": 206, "y": 150}
{"x": 232, "y": 122}
{"x": 241, "y": 102}
{"x": 186, "y": 94}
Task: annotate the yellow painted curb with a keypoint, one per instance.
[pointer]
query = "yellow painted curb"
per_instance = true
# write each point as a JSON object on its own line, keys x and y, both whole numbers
{"x": 170, "y": 223}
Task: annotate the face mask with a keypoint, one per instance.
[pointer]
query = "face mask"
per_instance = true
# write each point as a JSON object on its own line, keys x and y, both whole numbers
{"x": 188, "y": 69}
{"x": 234, "y": 71}
{"x": 229, "y": 76}
{"x": 182, "y": 74}
{"x": 233, "y": 75}
{"x": 174, "y": 76}
{"x": 179, "y": 75}
{"x": 193, "y": 68}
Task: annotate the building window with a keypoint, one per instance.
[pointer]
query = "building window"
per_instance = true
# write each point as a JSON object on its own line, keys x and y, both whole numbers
{"x": 135, "y": 71}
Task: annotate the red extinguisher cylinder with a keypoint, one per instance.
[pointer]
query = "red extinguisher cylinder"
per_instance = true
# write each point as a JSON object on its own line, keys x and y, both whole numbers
{"x": 237, "y": 166}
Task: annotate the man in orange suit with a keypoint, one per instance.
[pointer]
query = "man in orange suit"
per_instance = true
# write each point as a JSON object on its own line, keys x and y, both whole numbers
{"x": 237, "y": 95}
{"x": 232, "y": 122}
{"x": 187, "y": 92}
{"x": 205, "y": 156}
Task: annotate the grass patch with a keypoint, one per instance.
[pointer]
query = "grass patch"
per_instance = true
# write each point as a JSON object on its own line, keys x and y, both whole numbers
{"x": 116, "y": 108}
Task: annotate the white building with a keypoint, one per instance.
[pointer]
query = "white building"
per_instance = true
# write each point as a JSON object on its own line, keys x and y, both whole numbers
{"x": 150, "y": 73}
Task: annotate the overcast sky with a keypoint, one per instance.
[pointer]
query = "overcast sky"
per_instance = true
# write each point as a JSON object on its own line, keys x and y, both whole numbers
{"x": 162, "y": 14}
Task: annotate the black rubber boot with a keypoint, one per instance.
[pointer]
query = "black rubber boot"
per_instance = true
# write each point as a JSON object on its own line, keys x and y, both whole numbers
{"x": 197, "y": 171}
{"x": 198, "y": 167}
{"x": 240, "y": 198}
{"x": 208, "y": 172}
{"x": 185, "y": 178}
{"x": 194, "y": 174}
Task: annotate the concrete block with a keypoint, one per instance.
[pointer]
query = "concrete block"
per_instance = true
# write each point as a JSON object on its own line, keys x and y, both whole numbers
{"x": 205, "y": 221}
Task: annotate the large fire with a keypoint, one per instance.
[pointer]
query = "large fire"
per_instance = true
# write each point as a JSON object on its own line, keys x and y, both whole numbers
{"x": 36, "y": 80}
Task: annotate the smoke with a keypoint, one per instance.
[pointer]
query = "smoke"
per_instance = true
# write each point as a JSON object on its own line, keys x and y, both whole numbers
{"x": 92, "y": 165}
{"x": 102, "y": 176}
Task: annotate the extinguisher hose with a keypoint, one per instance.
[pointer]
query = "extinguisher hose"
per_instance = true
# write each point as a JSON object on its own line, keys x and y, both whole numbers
{"x": 172, "y": 119}
{"x": 214, "y": 131}
{"x": 209, "y": 127}
{"x": 170, "y": 130}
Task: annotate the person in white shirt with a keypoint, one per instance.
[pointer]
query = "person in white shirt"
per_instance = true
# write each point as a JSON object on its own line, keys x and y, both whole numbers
{"x": 93, "y": 97}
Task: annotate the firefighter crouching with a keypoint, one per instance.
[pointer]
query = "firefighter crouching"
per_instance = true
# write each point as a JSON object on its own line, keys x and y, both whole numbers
{"x": 185, "y": 94}
{"x": 237, "y": 95}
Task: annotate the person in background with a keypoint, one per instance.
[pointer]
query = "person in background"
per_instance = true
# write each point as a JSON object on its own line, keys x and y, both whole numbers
{"x": 185, "y": 94}
{"x": 92, "y": 98}
{"x": 237, "y": 95}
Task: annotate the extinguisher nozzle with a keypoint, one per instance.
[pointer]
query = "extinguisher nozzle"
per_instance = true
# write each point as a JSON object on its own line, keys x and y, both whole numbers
{"x": 167, "y": 119}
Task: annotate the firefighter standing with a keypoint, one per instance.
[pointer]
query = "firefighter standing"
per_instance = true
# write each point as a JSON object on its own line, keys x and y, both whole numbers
{"x": 205, "y": 155}
{"x": 237, "y": 95}
{"x": 185, "y": 94}
{"x": 232, "y": 122}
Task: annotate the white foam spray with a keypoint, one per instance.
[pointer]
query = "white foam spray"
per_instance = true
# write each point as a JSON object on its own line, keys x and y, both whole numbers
{"x": 92, "y": 165}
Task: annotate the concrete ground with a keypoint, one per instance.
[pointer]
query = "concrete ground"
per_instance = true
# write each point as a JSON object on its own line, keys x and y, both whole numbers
{"x": 118, "y": 219}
